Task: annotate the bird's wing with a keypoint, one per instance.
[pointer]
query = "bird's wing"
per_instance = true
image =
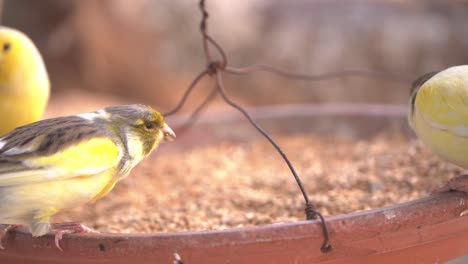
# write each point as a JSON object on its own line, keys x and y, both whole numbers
{"x": 443, "y": 103}
{"x": 25, "y": 161}
{"x": 88, "y": 157}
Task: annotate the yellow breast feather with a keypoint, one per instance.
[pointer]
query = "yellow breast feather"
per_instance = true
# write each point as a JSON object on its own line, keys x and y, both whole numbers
{"x": 443, "y": 101}
{"x": 89, "y": 157}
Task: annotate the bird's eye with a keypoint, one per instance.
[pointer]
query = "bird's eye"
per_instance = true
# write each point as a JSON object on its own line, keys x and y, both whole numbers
{"x": 6, "y": 46}
{"x": 149, "y": 125}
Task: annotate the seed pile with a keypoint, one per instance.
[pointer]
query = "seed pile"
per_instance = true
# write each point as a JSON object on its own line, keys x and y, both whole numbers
{"x": 234, "y": 185}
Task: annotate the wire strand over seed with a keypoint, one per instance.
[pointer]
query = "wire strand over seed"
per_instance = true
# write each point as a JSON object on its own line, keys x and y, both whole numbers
{"x": 216, "y": 68}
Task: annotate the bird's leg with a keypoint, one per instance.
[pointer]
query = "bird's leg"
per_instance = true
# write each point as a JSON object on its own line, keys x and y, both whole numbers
{"x": 69, "y": 228}
{"x": 458, "y": 183}
{"x": 3, "y": 230}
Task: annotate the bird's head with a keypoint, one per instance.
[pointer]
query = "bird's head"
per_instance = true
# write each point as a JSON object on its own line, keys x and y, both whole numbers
{"x": 19, "y": 56}
{"x": 141, "y": 127}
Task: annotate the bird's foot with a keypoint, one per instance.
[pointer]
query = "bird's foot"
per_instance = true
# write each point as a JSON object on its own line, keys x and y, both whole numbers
{"x": 4, "y": 230}
{"x": 61, "y": 229}
{"x": 458, "y": 183}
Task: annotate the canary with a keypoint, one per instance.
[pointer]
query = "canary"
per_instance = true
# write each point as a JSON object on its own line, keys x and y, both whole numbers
{"x": 439, "y": 116}
{"x": 59, "y": 163}
{"x": 24, "y": 83}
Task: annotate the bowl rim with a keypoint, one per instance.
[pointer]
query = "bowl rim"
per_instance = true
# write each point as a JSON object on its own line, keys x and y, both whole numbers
{"x": 414, "y": 226}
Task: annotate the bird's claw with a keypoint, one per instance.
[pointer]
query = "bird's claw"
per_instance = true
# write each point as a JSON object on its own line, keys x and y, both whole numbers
{"x": 61, "y": 229}
{"x": 4, "y": 230}
{"x": 459, "y": 183}
{"x": 59, "y": 235}
{"x": 464, "y": 212}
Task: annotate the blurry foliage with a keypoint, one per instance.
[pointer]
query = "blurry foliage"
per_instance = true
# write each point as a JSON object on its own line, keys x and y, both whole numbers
{"x": 149, "y": 50}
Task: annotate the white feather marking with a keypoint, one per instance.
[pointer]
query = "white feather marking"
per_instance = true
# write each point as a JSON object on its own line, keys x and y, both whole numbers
{"x": 102, "y": 112}
{"x": 88, "y": 116}
{"x": 17, "y": 150}
{"x": 460, "y": 130}
{"x": 2, "y": 143}
{"x": 53, "y": 174}
{"x": 135, "y": 147}
{"x": 93, "y": 115}
{"x": 39, "y": 228}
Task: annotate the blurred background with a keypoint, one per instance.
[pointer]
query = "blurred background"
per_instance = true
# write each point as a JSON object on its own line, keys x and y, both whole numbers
{"x": 107, "y": 52}
{"x": 148, "y": 51}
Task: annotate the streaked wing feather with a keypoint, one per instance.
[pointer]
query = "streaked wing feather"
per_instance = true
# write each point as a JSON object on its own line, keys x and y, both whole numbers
{"x": 55, "y": 149}
{"x": 47, "y": 136}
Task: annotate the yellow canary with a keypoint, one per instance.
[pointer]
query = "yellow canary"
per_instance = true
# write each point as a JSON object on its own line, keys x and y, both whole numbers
{"x": 24, "y": 83}
{"x": 60, "y": 163}
{"x": 439, "y": 113}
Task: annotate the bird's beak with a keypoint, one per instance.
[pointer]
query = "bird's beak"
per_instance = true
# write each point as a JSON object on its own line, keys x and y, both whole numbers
{"x": 169, "y": 135}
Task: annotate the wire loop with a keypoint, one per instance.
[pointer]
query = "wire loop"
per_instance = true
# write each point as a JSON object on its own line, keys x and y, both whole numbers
{"x": 216, "y": 68}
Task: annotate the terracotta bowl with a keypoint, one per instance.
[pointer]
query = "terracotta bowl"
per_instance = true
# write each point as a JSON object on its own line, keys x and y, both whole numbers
{"x": 427, "y": 230}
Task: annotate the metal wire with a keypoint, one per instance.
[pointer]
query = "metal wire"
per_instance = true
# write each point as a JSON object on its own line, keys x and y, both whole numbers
{"x": 187, "y": 93}
{"x": 196, "y": 113}
{"x": 219, "y": 81}
{"x": 207, "y": 39}
{"x": 310, "y": 211}
{"x": 319, "y": 77}
{"x": 216, "y": 68}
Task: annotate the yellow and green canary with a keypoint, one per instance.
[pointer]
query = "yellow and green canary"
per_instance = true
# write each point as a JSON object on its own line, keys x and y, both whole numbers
{"x": 24, "y": 83}
{"x": 60, "y": 163}
{"x": 439, "y": 113}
